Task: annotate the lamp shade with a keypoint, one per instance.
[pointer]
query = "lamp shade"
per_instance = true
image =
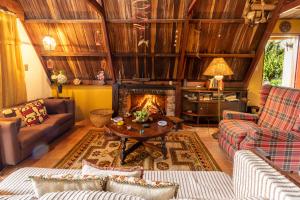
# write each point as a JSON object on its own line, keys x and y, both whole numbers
{"x": 218, "y": 67}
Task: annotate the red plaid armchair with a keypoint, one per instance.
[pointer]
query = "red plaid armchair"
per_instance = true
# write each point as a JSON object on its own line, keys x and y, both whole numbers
{"x": 276, "y": 130}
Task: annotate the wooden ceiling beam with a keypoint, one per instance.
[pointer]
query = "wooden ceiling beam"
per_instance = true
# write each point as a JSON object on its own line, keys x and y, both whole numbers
{"x": 203, "y": 55}
{"x": 13, "y": 6}
{"x": 72, "y": 54}
{"x": 63, "y": 21}
{"x": 262, "y": 44}
{"x": 290, "y": 6}
{"x": 101, "y": 11}
{"x": 166, "y": 21}
{"x": 224, "y": 55}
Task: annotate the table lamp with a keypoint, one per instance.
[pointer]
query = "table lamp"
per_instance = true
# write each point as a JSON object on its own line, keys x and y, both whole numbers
{"x": 218, "y": 68}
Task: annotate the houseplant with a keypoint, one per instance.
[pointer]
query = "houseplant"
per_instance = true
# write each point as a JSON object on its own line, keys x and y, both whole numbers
{"x": 59, "y": 79}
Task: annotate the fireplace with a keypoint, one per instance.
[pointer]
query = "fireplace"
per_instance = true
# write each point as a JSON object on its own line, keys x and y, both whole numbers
{"x": 155, "y": 98}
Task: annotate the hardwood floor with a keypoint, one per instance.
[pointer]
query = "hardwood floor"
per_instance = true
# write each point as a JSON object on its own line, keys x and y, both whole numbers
{"x": 61, "y": 146}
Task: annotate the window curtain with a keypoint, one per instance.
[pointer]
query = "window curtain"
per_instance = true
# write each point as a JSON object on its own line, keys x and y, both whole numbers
{"x": 12, "y": 82}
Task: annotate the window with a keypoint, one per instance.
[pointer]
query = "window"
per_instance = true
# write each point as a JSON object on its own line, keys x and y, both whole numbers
{"x": 280, "y": 61}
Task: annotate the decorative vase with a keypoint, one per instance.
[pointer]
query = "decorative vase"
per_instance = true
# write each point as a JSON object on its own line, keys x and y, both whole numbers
{"x": 59, "y": 88}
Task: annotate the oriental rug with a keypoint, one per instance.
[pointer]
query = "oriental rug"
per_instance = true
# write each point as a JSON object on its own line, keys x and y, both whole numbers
{"x": 185, "y": 152}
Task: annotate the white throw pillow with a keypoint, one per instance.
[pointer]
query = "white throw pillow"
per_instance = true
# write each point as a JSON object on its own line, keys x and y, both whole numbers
{"x": 92, "y": 169}
{"x": 150, "y": 190}
{"x": 66, "y": 182}
{"x": 87, "y": 195}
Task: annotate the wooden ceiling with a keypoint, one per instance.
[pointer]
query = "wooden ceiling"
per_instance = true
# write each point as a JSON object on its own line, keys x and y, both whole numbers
{"x": 202, "y": 30}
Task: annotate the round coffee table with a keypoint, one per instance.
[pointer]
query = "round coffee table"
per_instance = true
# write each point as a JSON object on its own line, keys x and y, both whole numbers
{"x": 153, "y": 131}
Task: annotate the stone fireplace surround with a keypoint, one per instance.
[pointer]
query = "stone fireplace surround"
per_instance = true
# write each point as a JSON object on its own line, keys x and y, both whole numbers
{"x": 124, "y": 92}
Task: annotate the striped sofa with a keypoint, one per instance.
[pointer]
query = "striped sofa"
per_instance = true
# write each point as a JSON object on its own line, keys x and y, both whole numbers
{"x": 275, "y": 130}
{"x": 252, "y": 179}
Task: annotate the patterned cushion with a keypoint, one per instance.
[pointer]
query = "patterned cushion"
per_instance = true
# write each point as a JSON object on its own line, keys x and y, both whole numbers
{"x": 14, "y": 112}
{"x": 281, "y": 109}
{"x": 29, "y": 115}
{"x": 87, "y": 195}
{"x": 92, "y": 169}
{"x": 234, "y": 131}
{"x": 39, "y": 107}
{"x": 66, "y": 182}
{"x": 150, "y": 190}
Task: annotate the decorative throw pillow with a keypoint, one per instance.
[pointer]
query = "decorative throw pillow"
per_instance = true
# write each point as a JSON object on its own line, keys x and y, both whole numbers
{"x": 92, "y": 169}
{"x": 150, "y": 190}
{"x": 87, "y": 195}
{"x": 39, "y": 107}
{"x": 66, "y": 182}
{"x": 14, "y": 112}
{"x": 29, "y": 116}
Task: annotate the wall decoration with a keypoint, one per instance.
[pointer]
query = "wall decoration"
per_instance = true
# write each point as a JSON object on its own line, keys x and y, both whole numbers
{"x": 76, "y": 81}
{"x": 255, "y": 12}
{"x": 285, "y": 26}
{"x": 98, "y": 38}
{"x": 141, "y": 8}
{"x": 50, "y": 64}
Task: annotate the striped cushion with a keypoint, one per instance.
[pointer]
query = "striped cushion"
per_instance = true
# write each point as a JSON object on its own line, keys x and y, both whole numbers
{"x": 281, "y": 109}
{"x": 18, "y": 197}
{"x": 193, "y": 184}
{"x": 87, "y": 195}
{"x": 254, "y": 177}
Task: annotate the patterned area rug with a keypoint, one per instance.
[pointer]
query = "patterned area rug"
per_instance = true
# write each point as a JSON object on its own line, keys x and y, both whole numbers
{"x": 185, "y": 152}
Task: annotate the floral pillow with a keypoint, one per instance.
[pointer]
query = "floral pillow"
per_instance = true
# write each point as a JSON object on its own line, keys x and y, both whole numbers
{"x": 14, "y": 112}
{"x": 66, "y": 182}
{"x": 40, "y": 109}
{"x": 92, "y": 169}
{"x": 29, "y": 116}
{"x": 150, "y": 190}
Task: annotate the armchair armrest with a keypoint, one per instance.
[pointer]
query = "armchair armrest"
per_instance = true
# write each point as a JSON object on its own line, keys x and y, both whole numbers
{"x": 227, "y": 114}
{"x": 8, "y": 139}
{"x": 272, "y": 135}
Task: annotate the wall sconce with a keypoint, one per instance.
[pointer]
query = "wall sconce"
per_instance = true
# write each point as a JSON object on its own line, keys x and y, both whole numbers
{"x": 98, "y": 38}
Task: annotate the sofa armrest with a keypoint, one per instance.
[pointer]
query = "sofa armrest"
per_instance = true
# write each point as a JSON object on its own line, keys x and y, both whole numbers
{"x": 254, "y": 177}
{"x": 59, "y": 106}
{"x": 10, "y": 146}
{"x": 227, "y": 114}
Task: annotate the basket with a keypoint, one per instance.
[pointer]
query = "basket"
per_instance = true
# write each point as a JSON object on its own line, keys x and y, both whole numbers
{"x": 100, "y": 117}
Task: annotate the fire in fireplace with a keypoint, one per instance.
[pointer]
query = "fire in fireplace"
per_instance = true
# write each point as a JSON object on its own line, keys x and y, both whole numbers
{"x": 157, "y": 99}
{"x": 153, "y": 103}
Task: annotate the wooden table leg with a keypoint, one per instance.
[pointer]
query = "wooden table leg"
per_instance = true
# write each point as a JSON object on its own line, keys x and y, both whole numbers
{"x": 123, "y": 153}
{"x": 163, "y": 147}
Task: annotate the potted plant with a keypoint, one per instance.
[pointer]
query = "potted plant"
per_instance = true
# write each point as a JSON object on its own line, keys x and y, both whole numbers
{"x": 59, "y": 79}
{"x": 141, "y": 116}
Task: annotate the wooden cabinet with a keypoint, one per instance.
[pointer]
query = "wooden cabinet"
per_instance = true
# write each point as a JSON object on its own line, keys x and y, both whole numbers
{"x": 200, "y": 107}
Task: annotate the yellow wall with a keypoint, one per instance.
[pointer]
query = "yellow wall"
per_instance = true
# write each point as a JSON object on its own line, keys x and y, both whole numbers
{"x": 255, "y": 84}
{"x": 87, "y": 98}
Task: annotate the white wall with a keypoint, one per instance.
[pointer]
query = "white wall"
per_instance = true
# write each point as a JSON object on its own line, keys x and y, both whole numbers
{"x": 37, "y": 83}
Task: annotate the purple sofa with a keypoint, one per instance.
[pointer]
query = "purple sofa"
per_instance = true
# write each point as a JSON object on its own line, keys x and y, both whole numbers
{"x": 18, "y": 143}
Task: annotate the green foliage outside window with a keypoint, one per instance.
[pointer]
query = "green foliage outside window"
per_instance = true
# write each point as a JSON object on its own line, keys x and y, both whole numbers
{"x": 273, "y": 62}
